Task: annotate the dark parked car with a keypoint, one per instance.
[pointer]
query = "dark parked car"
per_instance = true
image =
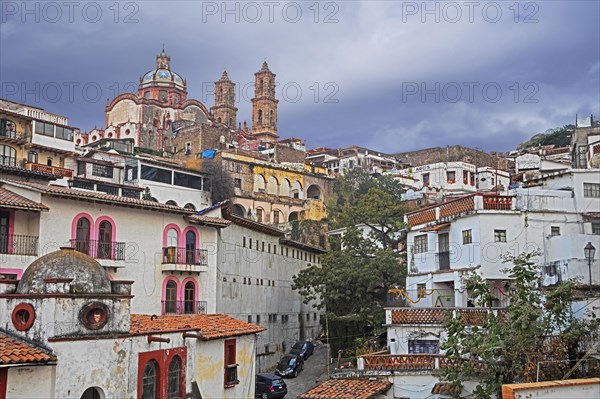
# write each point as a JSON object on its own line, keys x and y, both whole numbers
{"x": 289, "y": 365}
{"x": 270, "y": 386}
{"x": 303, "y": 348}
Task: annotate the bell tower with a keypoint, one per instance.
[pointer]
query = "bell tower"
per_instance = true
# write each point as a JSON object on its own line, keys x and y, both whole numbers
{"x": 224, "y": 110}
{"x": 264, "y": 106}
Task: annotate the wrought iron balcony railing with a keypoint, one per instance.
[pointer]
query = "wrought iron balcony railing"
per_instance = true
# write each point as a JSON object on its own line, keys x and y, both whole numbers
{"x": 185, "y": 256}
{"x": 100, "y": 249}
{"x": 183, "y": 307}
{"x": 13, "y": 244}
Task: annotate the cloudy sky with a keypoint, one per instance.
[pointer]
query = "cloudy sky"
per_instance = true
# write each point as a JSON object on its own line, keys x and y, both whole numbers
{"x": 389, "y": 75}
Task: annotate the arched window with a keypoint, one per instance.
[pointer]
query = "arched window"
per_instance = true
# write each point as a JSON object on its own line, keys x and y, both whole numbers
{"x": 92, "y": 393}
{"x": 150, "y": 380}
{"x": 190, "y": 206}
{"x": 8, "y": 156}
{"x": 271, "y": 119}
{"x": 259, "y": 183}
{"x": 171, "y": 297}
{"x": 189, "y": 297}
{"x": 190, "y": 248}
{"x": 293, "y": 216}
{"x": 8, "y": 128}
{"x": 284, "y": 188}
{"x": 272, "y": 185}
{"x": 297, "y": 190}
{"x": 238, "y": 210}
{"x": 172, "y": 241}
{"x": 82, "y": 236}
{"x": 313, "y": 192}
{"x": 105, "y": 240}
{"x": 174, "y": 378}
{"x": 171, "y": 202}
{"x": 259, "y": 122}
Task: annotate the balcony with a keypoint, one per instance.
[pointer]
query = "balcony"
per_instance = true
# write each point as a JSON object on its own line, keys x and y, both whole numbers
{"x": 111, "y": 250}
{"x": 51, "y": 170}
{"x": 184, "y": 260}
{"x": 11, "y": 136}
{"x": 12, "y": 244}
{"x": 404, "y": 362}
{"x": 183, "y": 307}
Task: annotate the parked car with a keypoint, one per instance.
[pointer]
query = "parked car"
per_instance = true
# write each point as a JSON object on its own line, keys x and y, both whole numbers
{"x": 303, "y": 348}
{"x": 270, "y": 386}
{"x": 289, "y": 365}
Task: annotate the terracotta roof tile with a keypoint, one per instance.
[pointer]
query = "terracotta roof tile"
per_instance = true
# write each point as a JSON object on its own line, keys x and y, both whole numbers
{"x": 65, "y": 192}
{"x": 212, "y": 326}
{"x": 15, "y": 201}
{"x": 14, "y": 350}
{"x": 346, "y": 388}
{"x": 208, "y": 220}
{"x": 444, "y": 388}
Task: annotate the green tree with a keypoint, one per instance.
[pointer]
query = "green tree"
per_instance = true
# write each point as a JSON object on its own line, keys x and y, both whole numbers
{"x": 537, "y": 328}
{"x": 355, "y": 276}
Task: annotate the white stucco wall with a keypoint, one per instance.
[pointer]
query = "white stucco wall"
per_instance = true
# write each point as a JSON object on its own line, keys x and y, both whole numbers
{"x": 21, "y": 385}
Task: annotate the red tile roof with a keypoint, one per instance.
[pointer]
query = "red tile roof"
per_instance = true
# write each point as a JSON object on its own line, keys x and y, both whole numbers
{"x": 444, "y": 388}
{"x": 212, "y": 326}
{"x": 208, "y": 220}
{"x": 64, "y": 192}
{"x": 12, "y": 200}
{"x": 345, "y": 388}
{"x": 16, "y": 351}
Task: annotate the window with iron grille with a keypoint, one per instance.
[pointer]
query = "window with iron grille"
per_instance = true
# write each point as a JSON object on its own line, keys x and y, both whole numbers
{"x": 111, "y": 190}
{"x": 102, "y": 170}
{"x": 591, "y": 190}
{"x": 130, "y": 193}
{"x": 500, "y": 235}
{"x": 420, "y": 244}
{"x": 595, "y": 228}
{"x": 428, "y": 346}
{"x": 467, "y": 236}
{"x": 555, "y": 231}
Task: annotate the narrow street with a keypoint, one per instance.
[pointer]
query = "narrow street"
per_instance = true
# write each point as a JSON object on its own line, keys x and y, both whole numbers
{"x": 314, "y": 373}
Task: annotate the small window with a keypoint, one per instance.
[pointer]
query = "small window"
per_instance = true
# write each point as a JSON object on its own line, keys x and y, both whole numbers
{"x": 259, "y": 215}
{"x": 244, "y": 242}
{"x": 249, "y": 316}
{"x": 420, "y": 244}
{"x": 32, "y": 157}
{"x": 421, "y": 290}
{"x": 425, "y": 179}
{"x": 231, "y": 375}
{"x": 467, "y": 236}
{"x": 591, "y": 190}
{"x": 500, "y": 235}
{"x": 257, "y": 319}
{"x": 451, "y": 176}
{"x": 595, "y": 228}
{"x": 276, "y": 217}
{"x": 237, "y": 183}
{"x": 555, "y": 231}
{"x": 102, "y": 171}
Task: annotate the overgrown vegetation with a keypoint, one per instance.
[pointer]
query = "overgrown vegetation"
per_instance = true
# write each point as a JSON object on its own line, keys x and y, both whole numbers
{"x": 355, "y": 275}
{"x": 536, "y": 336}
{"x": 560, "y": 138}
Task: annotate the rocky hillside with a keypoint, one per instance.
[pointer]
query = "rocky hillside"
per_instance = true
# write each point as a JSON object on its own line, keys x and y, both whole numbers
{"x": 452, "y": 154}
{"x": 560, "y": 137}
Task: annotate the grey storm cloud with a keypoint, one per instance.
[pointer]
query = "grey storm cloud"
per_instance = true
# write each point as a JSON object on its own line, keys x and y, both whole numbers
{"x": 390, "y": 75}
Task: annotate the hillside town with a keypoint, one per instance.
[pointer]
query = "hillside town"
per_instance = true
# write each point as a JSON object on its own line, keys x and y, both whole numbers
{"x": 169, "y": 253}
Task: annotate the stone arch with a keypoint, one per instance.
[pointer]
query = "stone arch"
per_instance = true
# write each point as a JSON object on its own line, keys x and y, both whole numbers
{"x": 285, "y": 188}
{"x": 93, "y": 393}
{"x": 171, "y": 202}
{"x": 293, "y": 216}
{"x": 272, "y": 185}
{"x": 297, "y": 190}
{"x": 313, "y": 192}
{"x": 259, "y": 184}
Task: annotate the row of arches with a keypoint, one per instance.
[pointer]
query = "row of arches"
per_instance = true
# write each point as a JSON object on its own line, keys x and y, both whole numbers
{"x": 180, "y": 247}
{"x": 96, "y": 239}
{"x": 260, "y": 215}
{"x": 285, "y": 188}
{"x": 189, "y": 205}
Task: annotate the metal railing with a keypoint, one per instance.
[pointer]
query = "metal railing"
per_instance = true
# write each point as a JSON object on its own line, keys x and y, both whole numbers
{"x": 183, "y": 307}
{"x": 19, "y": 245}
{"x": 185, "y": 256}
{"x": 100, "y": 249}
